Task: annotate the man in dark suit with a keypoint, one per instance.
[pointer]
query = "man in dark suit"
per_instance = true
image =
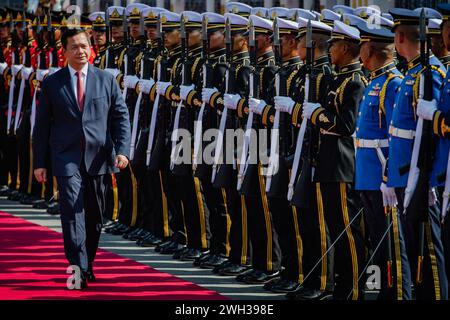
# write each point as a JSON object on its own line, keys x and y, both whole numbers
{"x": 83, "y": 118}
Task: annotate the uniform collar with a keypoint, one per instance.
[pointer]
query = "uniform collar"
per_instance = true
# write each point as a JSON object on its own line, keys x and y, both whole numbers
{"x": 321, "y": 61}
{"x": 175, "y": 51}
{"x": 195, "y": 52}
{"x": 292, "y": 61}
{"x": 217, "y": 53}
{"x": 445, "y": 60}
{"x": 355, "y": 66}
{"x": 380, "y": 71}
{"x": 240, "y": 56}
{"x": 265, "y": 57}
{"x": 414, "y": 62}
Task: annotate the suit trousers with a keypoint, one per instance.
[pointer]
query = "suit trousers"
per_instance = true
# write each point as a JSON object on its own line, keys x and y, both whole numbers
{"x": 82, "y": 200}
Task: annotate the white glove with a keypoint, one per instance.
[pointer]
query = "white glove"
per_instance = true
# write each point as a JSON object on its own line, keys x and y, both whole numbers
{"x": 432, "y": 197}
{"x": 130, "y": 82}
{"x": 146, "y": 85}
{"x": 389, "y": 196}
{"x": 26, "y": 72}
{"x": 3, "y": 67}
{"x": 256, "y": 105}
{"x": 15, "y": 69}
{"x": 161, "y": 87}
{"x": 426, "y": 109}
{"x": 231, "y": 101}
{"x": 309, "y": 108}
{"x": 207, "y": 93}
{"x": 114, "y": 72}
{"x": 184, "y": 91}
{"x": 284, "y": 104}
{"x": 40, "y": 74}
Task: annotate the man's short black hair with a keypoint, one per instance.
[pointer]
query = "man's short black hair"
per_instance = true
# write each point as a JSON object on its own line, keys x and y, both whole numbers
{"x": 72, "y": 33}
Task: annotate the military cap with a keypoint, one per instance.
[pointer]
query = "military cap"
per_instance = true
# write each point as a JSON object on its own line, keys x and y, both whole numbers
{"x": 317, "y": 27}
{"x": 366, "y": 12}
{"x": 341, "y": 9}
{"x": 192, "y": 20}
{"x": 170, "y": 20}
{"x": 238, "y": 8}
{"x": 352, "y": 20}
{"x": 405, "y": 17}
{"x": 434, "y": 26}
{"x": 278, "y": 12}
{"x": 444, "y": 8}
{"x": 115, "y": 15}
{"x": 215, "y": 21}
{"x": 329, "y": 17}
{"x": 134, "y": 10}
{"x": 342, "y": 31}
{"x": 370, "y": 34}
{"x": 261, "y": 25}
{"x": 376, "y": 19}
{"x": 260, "y": 12}
{"x": 5, "y": 17}
{"x": 429, "y": 12}
{"x": 294, "y": 14}
{"x": 287, "y": 27}
{"x": 238, "y": 24}
{"x": 98, "y": 21}
{"x": 150, "y": 15}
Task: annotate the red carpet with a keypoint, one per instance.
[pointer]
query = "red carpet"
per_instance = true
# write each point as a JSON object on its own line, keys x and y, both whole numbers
{"x": 33, "y": 265}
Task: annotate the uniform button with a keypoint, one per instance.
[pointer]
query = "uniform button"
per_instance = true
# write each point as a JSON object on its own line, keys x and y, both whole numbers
{"x": 406, "y": 93}
{"x": 359, "y": 113}
{"x": 364, "y": 98}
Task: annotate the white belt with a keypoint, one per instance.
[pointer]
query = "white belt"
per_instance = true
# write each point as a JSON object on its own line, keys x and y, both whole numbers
{"x": 3, "y": 67}
{"x": 402, "y": 133}
{"x": 41, "y": 73}
{"x": 324, "y": 132}
{"x": 372, "y": 144}
{"x": 15, "y": 69}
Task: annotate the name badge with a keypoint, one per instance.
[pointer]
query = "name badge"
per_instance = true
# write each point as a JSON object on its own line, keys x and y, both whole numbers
{"x": 410, "y": 82}
{"x": 374, "y": 93}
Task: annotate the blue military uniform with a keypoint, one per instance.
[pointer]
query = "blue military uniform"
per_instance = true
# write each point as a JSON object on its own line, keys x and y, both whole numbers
{"x": 426, "y": 256}
{"x": 372, "y": 142}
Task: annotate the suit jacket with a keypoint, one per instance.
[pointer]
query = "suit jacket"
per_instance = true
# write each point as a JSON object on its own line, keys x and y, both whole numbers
{"x": 102, "y": 130}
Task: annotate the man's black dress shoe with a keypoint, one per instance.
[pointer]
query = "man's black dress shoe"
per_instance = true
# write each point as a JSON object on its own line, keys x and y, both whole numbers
{"x": 259, "y": 277}
{"x": 268, "y": 286}
{"x": 212, "y": 262}
{"x": 205, "y": 255}
{"x": 191, "y": 255}
{"x": 304, "y": 293}
{"x": 224, "y": 265}
{"x": 172, "y": 248}
{"x": 235, "y": 270}
{"x": 151, "y": 241}
{"x": 285, "y": 286}
{"x": 53, "y": 209}
{"x": 177, "y": 254}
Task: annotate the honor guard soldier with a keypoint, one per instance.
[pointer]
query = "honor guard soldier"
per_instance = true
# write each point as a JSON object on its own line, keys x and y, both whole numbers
{"x": 372, "y": 142}
{"x": 153, "y": 222}
{"x": 270, "y": 246}
{"x": 335, "y": 118}
{"x": 100, "y": 41}
{"x": 250, "y": 178}
{"x": 224, "y": 175}
{"x": 307, "y": 221}
{"x": 437, "y": 42}
{"x": 413, "y": 192}
{"x": 188, "y": 187}
{"x": 213, "y": 70}
{"x": 437, "y": 111}
{"x": 159, "y": 147}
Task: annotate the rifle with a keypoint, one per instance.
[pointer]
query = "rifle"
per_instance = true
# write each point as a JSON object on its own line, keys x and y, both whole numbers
{"x": 253, "y": 93}
{"x": 125, "y": 42}
{"x": 223, "y": 119}
{"x": 160, "y": 76}
{"x": 304, "y": 187}
{"x": 108, "y": 36}
{"x": 186, "y": 80}
{"x": 417, "y": 190}
{"x": 206, "y": 70}
{"x": 280, "y": 91}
